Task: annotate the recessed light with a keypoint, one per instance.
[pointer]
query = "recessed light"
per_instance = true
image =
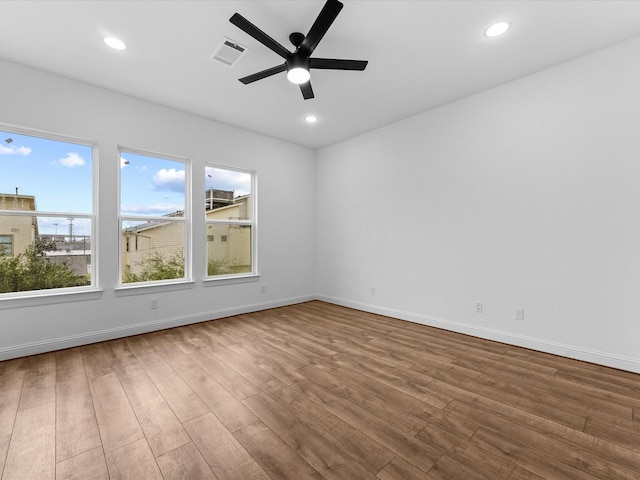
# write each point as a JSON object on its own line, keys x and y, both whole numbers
{"x": 497, "y": 29}
{"x": 115, "y": 43}
{"x": 311, "y": 119}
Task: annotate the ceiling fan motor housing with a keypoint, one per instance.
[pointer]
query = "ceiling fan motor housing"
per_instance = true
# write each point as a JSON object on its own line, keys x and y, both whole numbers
{"x": 296, "y": 39}
{"x": 296, "y": 60}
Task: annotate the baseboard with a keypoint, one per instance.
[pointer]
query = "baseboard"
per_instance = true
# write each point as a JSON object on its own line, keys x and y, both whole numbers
{"x": 569, "y": 351}
{"x": 136, "y": 329}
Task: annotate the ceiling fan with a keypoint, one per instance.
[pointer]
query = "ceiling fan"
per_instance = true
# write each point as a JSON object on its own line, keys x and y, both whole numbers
{"x": 298, "y": 63}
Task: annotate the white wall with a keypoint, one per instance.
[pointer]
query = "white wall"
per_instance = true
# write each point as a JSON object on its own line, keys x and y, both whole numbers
{"x": 526, "y": 195}
{"x": 286, "y": 196}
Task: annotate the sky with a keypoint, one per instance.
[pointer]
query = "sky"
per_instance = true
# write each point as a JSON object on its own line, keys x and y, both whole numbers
{"x": 59, "y": 174}
{"x": 156, "y": 186}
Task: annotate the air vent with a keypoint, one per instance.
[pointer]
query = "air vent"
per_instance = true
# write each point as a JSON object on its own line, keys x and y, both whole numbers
{"x": 229, "y": 52}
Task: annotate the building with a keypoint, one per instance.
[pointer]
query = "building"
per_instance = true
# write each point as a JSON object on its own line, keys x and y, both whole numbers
{"x": 228, "y": 245}
{"x": 142, "y": 242}
{"x": 17, "y": 232}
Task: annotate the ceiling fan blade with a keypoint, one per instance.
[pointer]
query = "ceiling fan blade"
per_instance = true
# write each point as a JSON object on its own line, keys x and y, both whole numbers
{"x": 263, "y": 74}
{"x": 307, "y": 91}
{"x": 250, "y": 29}
{"x": 326, "y": 17}
{"x": 337, "y": 64}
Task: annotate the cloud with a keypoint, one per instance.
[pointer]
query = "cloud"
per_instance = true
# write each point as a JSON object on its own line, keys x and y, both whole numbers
{"x": 171, "y": 179}
{"x": 71, "y": 160}
{"x": 123, "y": 162}
{"x": 153, "y": 209}
{"x": 239, "y": 182}
{"x": 4, "y": 150}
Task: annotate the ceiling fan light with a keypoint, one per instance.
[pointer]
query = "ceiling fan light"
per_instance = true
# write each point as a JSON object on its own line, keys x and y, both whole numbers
{"x": 497, "y": 29}
{"x": 298, "y": 75}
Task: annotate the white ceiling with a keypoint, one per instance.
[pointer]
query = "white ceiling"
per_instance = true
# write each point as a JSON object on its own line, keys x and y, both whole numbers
{"x": 421, "y": 54}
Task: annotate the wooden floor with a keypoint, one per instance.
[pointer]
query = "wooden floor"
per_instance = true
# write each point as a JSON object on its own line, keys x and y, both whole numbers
{"x": 314, "y": 391}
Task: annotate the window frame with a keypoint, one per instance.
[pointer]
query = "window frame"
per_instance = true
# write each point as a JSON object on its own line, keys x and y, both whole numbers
{"x": 62, "y": 294}
{"x": 185, "y": 220}
{"x": 252, "y": 223}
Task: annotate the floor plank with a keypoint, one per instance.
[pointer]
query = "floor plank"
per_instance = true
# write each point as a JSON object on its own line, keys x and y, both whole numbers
{"x": 231, "y": 412}
{"x": 276, "y": 458}
{"x": 224, "y": 454}
{"x": 249, "y": 370}
{"x": 10, "y": 390}
{"x": 404, "y": 445}
{"x": 354, "y": 443}
{"x": 528, "y": 458}
{"x": 76, "y": 424}
{"x": 117, "y": 422}
{"x": 237, "y": 385}
{"x": 90, "y": 465}
{"x": 181, "y": 398}
{"x": 161, "y": 427}
{"x": 4, "y": 448}
{"x": 184, "y": 463}
{"x": 399, "y": 469}
{"x": 39, "y": 381}
{"x": 31, "y": 454}
{"x": 267, "y": 362}
{"x": 133, "y": 461}
{"x": 368, "y": 399}
{"x": 69, "y": 363}
{"x": 96, "y": 359}
{"x": 319, "y": 452}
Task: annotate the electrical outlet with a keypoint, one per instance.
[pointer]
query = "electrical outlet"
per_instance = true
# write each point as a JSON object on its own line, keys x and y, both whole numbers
{"x": 519, "y": 314}
{"x": 154, "y": 303}
{"x": 478, "y": 307}
{"x": 372, "y": 290}
{"x": 263, "y": 288}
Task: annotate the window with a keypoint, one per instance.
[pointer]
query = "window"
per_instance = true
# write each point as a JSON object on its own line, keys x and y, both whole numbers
{"x": 230, "y": 218}
{"x": 46, "y": 212}
{"x": 6, "y": 244}
{"x": 154, "y": 218}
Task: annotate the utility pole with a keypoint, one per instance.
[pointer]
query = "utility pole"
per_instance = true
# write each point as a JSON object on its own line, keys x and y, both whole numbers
{"x": 70, "y": 229}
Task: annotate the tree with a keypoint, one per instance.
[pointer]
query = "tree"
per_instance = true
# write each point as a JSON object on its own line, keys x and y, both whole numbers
{"x": 156, "y": 267}
{"x": 217, "y": 267}
{"x": 226, "y": 267}
{"x": 32, "y": 271}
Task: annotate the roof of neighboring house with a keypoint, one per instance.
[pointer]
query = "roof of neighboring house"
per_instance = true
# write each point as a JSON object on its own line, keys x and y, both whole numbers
{"x": 151, "y": 224}
{"x": 226, "y": 207}
{"x": 8, "y": 198}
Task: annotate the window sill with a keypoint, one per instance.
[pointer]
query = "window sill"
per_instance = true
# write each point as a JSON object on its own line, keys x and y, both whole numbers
{"x": 142, "y": 288}
{"x": 38, "y": 298}
{"x": 231, "y": 279}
